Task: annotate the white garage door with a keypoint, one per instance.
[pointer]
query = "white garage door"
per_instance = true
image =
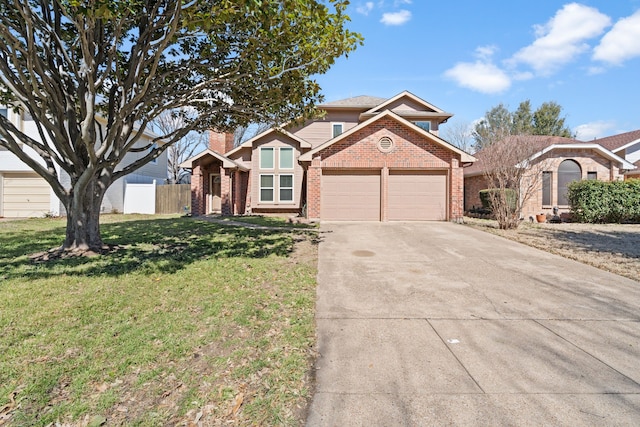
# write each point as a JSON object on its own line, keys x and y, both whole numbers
{"x": 417, "y": 196}
{"x": 350, "y": 196}
{"x": 25, "y": 195}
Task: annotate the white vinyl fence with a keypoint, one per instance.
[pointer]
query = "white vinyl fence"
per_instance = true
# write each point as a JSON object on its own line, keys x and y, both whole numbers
{"x": 140, "y": 198}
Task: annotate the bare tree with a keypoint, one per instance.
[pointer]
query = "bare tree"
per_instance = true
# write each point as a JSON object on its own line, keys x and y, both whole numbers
{"x": 168, "y": 123}
{"x": 511, "y": 175}
{"x": 244, "y": 133}
{"x": 460, "y": 134}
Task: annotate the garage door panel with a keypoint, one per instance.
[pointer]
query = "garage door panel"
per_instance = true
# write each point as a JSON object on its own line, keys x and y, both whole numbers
{"x": 417, "y": 196}
{"x": 25, "y": 195}
{"x": 350, "y": 196}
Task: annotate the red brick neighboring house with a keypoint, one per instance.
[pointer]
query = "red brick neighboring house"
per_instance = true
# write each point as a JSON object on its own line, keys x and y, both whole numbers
{"x": 558, "y": 162}
{"x": 366, "y": 159}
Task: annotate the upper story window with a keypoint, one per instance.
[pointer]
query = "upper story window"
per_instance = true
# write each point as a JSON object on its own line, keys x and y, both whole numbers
{"x": 266, "y": 158}
{"x": 337, "y": 129}
{"x": 424, "y": 125}
{"x": 3, "y": 112}
{"x": 154, "y": 161}
{"x": 286, "y": 158}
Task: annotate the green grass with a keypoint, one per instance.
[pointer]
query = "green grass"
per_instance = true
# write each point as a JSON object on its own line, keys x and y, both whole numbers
{"x": 186, "y": 317}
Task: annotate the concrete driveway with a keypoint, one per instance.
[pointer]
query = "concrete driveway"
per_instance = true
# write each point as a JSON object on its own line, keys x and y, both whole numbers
{"x": 424, "y": 324}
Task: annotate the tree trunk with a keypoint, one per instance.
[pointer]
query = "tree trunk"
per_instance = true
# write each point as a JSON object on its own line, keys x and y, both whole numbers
{"x": 83, "y": 219}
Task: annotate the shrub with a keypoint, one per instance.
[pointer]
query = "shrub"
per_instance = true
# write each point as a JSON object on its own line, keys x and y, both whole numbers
{"x": 605, "y": 202}
{"x": 511, "y": 197}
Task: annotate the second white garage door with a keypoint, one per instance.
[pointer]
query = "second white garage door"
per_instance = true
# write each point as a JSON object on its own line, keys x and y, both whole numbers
{"x": 350, "y": 196}
{"x": 417, "y": 196}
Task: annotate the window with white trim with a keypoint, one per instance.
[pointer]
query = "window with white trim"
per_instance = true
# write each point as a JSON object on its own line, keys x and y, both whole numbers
{"x": 285, "y": 190}
{"x": 286, "y": 158}
{"x": 266, "y": 188}
{"x": 337, "y": 129}
{"x": 266, "y": 158}
{"x": 4, "y": 112}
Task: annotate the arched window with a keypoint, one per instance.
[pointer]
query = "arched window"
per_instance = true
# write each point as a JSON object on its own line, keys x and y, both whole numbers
{"x": 568, "y": 171}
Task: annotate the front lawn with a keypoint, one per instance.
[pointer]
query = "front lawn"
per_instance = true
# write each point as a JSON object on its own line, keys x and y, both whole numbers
{"x": 188, "y": 321}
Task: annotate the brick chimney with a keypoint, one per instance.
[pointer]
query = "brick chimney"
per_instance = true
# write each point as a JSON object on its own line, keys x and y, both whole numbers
{"x": 220, "y": 142}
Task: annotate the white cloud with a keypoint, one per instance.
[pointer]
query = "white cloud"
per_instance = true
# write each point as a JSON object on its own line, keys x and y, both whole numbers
{"x": 562, "y": 38}
{"x": 397, "y": 3}
{"x": 592, "y": 130}
{"x": 480, "y": 76}
{"x": 396, "y": 18}
{"x": 621, "y": 43}
{"x": 365, "y": 8}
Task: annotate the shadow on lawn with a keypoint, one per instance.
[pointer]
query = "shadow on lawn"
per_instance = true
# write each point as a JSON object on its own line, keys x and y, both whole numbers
{"x": 612, "y": 242}
{"x": 156, "y": 245}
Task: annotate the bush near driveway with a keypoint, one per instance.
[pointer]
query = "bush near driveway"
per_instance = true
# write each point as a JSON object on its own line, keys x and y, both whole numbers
{"x": 187, "y": 320}
{"x": 605, "y": 202}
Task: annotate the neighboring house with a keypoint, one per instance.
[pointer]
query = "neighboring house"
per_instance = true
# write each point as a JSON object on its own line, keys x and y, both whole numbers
{"x": 557, "y": 162}
{"x": 367, "y": 158}
{"x": 23, "y": 193}
{"x": 627, "y": 146}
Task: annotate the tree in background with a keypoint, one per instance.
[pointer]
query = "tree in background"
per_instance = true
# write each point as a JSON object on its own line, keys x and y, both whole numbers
{"x": 167, "y": 123}
{"x": 459, "y": 134}
{"x": 93, "y": 74}
{"x": 499, "y": 123}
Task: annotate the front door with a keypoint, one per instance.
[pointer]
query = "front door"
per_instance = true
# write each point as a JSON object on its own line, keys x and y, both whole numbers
{"x": 215, "y": 195}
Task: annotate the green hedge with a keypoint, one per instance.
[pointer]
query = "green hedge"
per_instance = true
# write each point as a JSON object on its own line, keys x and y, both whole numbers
{"x": 605, "y": 202}
{"x": 509, "y": 192}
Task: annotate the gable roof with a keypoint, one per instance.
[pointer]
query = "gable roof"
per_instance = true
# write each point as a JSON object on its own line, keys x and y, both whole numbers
{"x": 543, "y": 144}
{"x": 249, "y": 142}
{"x": 226, "y": 162}
{"x": 620, "y": 141}
{"x": 464, "y": 156}
{"x": 434, "y": 112}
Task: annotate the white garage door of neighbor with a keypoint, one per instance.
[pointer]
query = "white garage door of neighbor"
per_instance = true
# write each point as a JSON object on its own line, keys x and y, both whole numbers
{"x": 417, "y": 196}
{"x": 350, "y": 196}
{"x": 24, "y": 195}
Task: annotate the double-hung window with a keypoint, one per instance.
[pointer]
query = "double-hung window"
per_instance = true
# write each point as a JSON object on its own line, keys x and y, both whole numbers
{"x": 266, "y": 188}
{"x": 286, "y": 188}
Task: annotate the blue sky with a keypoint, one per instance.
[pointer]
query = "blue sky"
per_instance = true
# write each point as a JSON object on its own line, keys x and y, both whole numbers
{"x": 466, "y": 56}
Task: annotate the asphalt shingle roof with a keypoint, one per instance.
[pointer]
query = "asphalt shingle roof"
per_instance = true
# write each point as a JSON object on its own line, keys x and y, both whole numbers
{"x": 364, "y": 101}
{"x": 616, "y": 141}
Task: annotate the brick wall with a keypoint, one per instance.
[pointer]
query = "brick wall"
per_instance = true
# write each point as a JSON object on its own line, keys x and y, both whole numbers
{"x": 314, "y": 176}
{"x": 411, "y": 150}
{"x": 472, "y": 187}
{"x": 220, "y": 142}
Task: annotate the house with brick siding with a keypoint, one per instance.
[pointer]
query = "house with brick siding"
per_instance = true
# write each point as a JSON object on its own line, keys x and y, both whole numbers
{"x": 364, "y": 159}
{"x": 557, "y": 162}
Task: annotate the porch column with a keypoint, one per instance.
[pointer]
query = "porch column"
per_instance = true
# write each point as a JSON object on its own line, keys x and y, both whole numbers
{"x": 225, "y": 190}
{"x": 198, "y": 202}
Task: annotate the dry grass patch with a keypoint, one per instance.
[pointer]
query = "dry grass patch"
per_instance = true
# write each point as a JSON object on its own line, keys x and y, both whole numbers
{"x": 611, "y": 247}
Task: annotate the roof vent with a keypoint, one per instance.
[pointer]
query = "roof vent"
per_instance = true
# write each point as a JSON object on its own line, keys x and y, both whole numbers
{"x": 385, "y": 144}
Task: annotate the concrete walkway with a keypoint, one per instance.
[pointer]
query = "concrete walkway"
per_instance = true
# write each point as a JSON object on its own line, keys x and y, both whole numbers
{"x": 423, "y": 324}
